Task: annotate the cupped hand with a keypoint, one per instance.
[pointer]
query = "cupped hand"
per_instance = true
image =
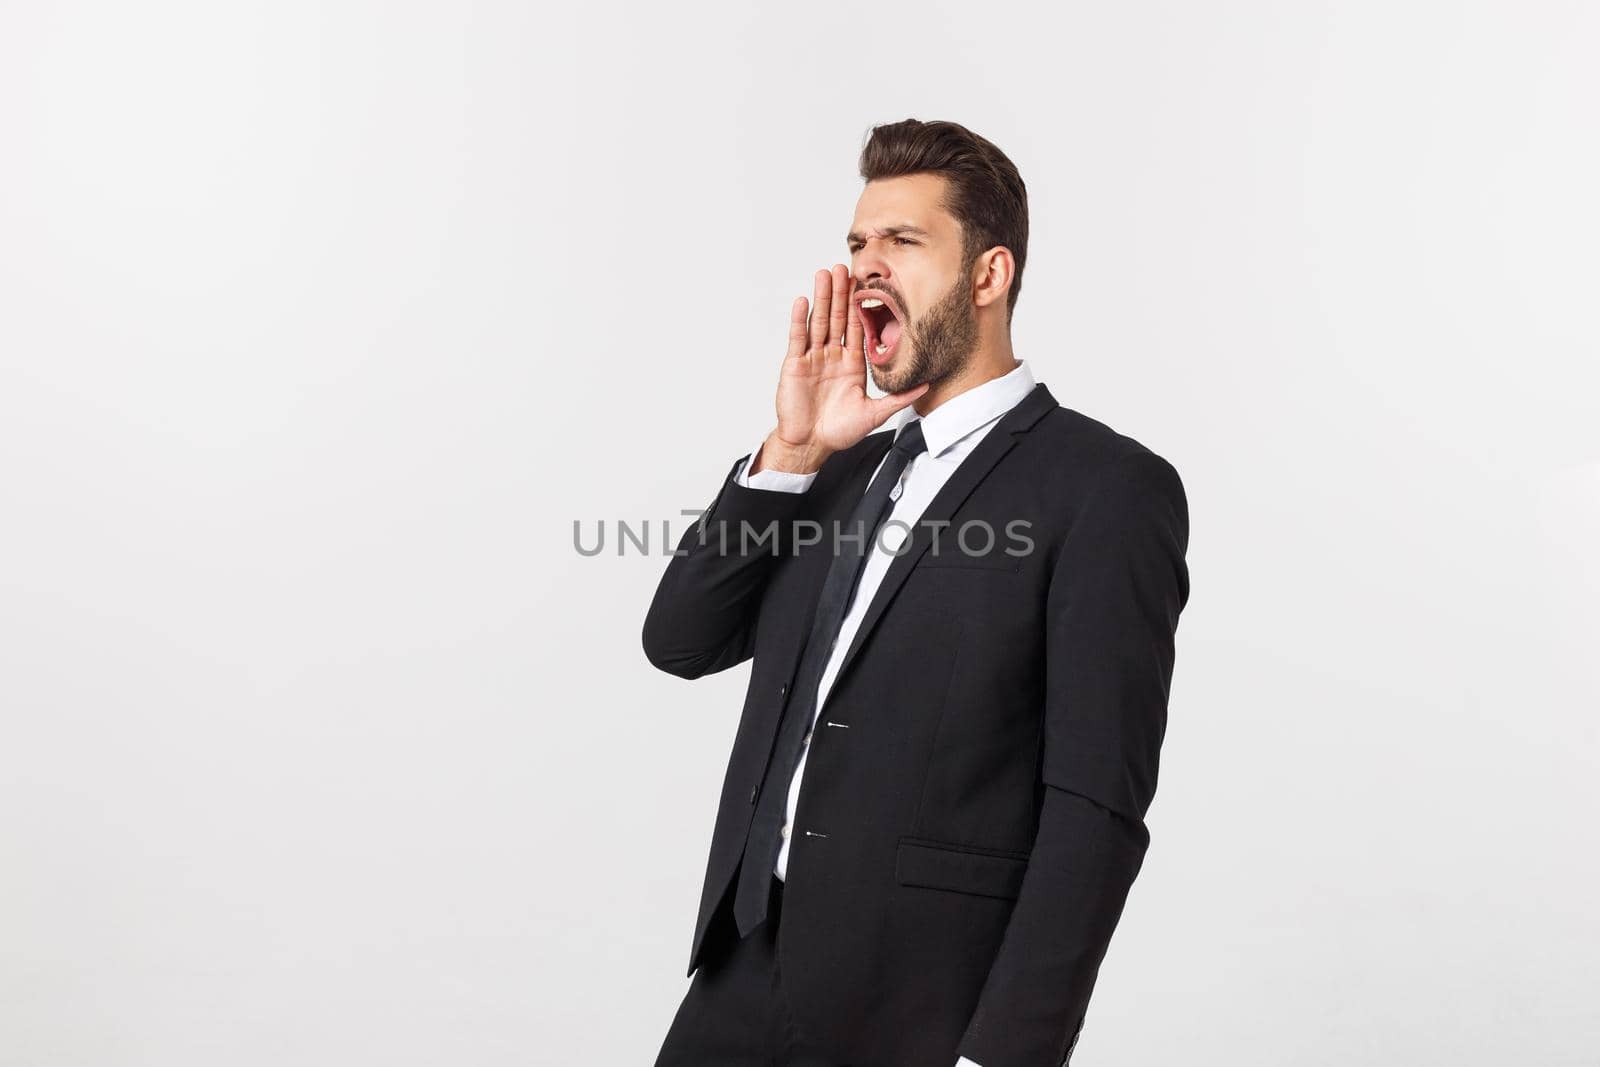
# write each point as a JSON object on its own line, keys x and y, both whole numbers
{"x": 822, "y": 402}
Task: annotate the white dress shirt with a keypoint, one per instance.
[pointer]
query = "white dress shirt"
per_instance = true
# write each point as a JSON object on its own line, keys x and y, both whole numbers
{"x": 952, "y": 430}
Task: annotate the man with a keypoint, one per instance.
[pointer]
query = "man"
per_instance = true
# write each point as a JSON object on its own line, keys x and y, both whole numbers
{"x": 962, "y": 634}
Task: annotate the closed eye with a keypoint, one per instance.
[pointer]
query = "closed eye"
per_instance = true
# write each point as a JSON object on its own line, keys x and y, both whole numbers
{"x": 856, "y": 246}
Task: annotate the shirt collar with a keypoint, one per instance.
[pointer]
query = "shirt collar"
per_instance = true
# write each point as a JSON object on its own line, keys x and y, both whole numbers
{"x": 977, "y": 407}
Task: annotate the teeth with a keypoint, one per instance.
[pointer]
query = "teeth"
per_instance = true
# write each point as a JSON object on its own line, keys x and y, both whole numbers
{"x": 882, "y": 349}
{"x": 872, "y": 302}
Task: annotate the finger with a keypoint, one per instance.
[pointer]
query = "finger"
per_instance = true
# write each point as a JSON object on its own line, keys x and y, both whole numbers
{"x": 841, "y": 304}
{"x": 855, "y": 336}
{"x": 797, "y": 328}
{"x": 819, "y": 308}
{"x": 884, "y": 406}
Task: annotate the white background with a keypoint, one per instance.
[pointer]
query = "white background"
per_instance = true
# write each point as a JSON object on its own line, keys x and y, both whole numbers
{"x": 321, "y": 324}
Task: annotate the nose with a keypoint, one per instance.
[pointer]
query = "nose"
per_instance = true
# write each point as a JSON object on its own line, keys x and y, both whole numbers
{"x": 868, "y": 266}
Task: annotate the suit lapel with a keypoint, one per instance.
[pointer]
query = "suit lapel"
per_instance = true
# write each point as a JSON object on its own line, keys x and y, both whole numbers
{"x": 819, "y": 558}
{"x": 967, "y": 477}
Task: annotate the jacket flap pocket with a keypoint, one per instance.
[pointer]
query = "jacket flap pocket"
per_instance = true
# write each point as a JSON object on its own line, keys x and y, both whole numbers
{"x": 964, "y": 870}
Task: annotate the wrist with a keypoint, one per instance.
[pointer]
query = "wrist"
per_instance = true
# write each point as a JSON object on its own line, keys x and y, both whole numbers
{"x": 780, "y": 455}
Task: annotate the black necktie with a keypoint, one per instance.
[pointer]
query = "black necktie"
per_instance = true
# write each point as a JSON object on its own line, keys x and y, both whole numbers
{"x": 852, "y": 546}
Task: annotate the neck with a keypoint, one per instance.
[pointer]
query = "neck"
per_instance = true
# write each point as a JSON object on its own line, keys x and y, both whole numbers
{"x": 990, "y": 360}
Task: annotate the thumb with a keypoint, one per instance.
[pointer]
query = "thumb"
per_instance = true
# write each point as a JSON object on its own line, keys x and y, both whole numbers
{"x": 884, "y": 406}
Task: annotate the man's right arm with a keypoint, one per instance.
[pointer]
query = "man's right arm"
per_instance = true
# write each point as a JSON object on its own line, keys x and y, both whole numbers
{"x": 703, "y": 617}
{"x": 768, "y": 477}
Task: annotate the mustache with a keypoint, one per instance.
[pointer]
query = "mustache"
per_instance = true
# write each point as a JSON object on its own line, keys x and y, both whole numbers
{"x": 898, "y": 299}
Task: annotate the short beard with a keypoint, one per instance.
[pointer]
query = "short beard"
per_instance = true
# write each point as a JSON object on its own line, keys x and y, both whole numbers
{"x": 942, "y": 342}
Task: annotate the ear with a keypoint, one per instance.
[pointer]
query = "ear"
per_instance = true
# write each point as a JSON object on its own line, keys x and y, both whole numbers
{"x": 992, "y": 272}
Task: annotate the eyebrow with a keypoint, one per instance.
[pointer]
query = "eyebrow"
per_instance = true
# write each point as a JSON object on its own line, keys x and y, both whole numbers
{"x": 888, "y": 231}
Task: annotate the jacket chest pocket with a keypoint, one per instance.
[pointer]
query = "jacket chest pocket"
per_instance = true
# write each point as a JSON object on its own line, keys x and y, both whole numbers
{"x": 993, "y": 591}
{"x": 952, "y": 557}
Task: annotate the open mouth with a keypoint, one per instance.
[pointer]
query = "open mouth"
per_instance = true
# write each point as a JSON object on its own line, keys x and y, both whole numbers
{"x": 880, "y": 324}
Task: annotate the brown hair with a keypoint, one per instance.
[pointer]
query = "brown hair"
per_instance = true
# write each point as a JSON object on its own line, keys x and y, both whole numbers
{"x": 983, "y": 189}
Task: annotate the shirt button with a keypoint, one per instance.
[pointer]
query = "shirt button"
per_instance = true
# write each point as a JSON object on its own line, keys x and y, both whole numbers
{"x": 785, "y": 830}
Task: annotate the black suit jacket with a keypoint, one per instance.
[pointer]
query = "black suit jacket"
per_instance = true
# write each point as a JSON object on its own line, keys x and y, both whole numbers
{"x": 979, "y": 774}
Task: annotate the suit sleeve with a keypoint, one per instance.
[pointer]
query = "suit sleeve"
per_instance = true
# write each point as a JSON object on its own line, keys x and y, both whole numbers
{"x": 1118, "y": 585}
{"x": 703, "y": 617}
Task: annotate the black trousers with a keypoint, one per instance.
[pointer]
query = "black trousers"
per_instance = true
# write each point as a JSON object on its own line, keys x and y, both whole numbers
{"x": 737, "y": 1012}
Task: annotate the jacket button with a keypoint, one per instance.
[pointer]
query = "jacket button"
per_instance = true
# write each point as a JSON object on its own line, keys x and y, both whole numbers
{"x": 753, "y": 790}
{"x": 783, "y": 689}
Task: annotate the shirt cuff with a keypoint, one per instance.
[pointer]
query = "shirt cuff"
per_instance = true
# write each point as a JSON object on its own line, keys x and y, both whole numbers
{"x": 782, "y": 481}
{"x": 963, "y": 1061}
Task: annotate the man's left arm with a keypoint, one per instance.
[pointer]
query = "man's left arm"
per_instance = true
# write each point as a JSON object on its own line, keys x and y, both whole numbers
{"x": 1117, "y": 587}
